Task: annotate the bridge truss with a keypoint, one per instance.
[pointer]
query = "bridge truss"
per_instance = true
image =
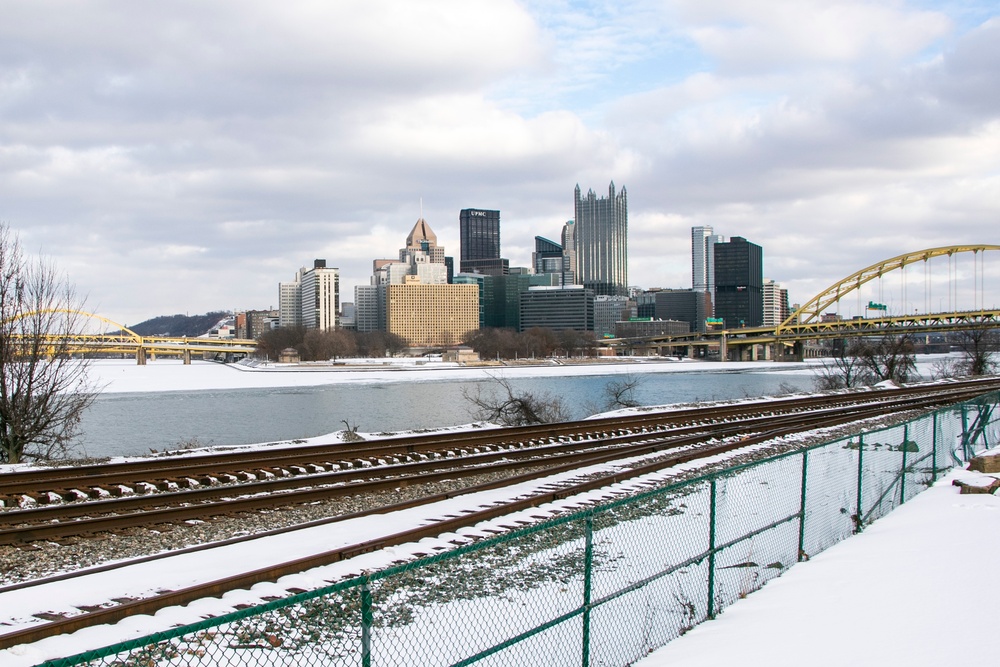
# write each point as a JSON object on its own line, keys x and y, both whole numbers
{"x": 117, "y": 339}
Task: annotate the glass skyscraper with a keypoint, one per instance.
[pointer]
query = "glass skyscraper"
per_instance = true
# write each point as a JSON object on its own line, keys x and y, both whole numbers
{"x": 703, "y": 259}
{"x": 479, "y": 232}
{"x": 602, "y": 241}
{"x": 739, "y": 283}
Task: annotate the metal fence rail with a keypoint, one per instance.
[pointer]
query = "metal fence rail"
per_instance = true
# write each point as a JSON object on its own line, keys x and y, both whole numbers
{"x": 601, "y": 586}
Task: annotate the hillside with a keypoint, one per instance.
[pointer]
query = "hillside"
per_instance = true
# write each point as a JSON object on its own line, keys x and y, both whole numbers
{"x": 180, "y": 325}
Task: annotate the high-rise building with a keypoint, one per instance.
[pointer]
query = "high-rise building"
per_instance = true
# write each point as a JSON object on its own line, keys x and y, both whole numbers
{"x": 557, "y": 308}
{"x": 411, "y": 297}
{"x": 684, "y": 305}
{"x": 602, "y": 241}
{"x": 369, "y": 310}
{"x": 320, "y": 297}
{"x": 775, "y": 303}
{"x": 548, "y": 256}
{"x": 568, "y": 237}
{"x": 703, "y": 241}
{"x": 479, "y": 233}
{"x": 290, "y": 302}
{"x": 430, "y": 315}
{"x": 608, "y": 310}
{"x": 256, "y": 323}
{"x": 739, "y": 283}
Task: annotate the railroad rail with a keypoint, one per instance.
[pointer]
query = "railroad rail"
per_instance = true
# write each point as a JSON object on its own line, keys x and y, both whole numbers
{"x": 701, "y": 437}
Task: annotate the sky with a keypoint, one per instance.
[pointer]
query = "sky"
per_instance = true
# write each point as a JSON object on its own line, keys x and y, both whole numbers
{"x": 182, "y": 157}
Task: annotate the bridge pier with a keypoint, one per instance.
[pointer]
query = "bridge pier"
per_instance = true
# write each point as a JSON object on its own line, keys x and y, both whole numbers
{"x": 140, "y": 356}
{"x": 187, "y": 357}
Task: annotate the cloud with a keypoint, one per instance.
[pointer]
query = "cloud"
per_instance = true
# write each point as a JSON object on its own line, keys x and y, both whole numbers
{"x": 188, "y": 156}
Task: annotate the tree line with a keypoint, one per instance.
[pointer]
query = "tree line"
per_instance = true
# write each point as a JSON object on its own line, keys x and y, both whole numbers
{"x": 489, "y": 343}
{"x": 327, "y": 344}
{"x": 868, "y": 361}
{"x": 494, "y": 343}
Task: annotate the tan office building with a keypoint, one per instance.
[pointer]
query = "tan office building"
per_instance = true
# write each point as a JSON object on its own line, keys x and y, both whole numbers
{"x": 430, "y": 315}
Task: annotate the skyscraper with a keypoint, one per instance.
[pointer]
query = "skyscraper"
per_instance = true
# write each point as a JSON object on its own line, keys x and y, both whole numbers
{"x": 568, "y": 237}
{"x": 602, "y": 241}
{"x": 290, "y": 302}
{"x": 479, "y": 232}
{"x": 548, "y": 256}
{"x": 775, "y": 303}
{"x": 703, "y": 259}
{"x": 320, "y": 297}
{"x": 739, "y": 283}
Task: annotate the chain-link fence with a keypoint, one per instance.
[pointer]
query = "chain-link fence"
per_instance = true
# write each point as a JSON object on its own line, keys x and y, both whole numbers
{"x": 601, "y": 586}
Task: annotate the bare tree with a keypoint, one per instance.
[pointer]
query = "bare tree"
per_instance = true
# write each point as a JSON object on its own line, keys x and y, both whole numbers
{"x": 979, "y": 347}
{"x": 504, "y": 405}
{"x": 620, "y": 392}
{"x": 43, "y": 390}
{"x": 889, "y": 357}
{"x": 869, "y": 361}
{"x": 845, "y": 371}
{"x": 272, "y": 342}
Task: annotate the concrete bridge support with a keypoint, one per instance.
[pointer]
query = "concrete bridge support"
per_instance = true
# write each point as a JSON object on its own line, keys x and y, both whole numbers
{"x": 140, "y": 356}
{"x": 187, "y": 357}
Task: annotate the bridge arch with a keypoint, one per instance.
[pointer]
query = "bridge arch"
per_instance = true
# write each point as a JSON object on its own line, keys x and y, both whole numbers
{"x": 813, "y": 308}
{"x": 131, "y": 335}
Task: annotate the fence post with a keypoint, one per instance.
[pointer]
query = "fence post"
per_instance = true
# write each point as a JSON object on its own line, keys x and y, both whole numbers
{"x": 934, "y": 438}
{"x": 965, "y": 432}
{"x": 367, "y": 618}
{"x": 860, "y": 510}
{"x": 588, "y": 562}
{"x": 711, "y": 550}
{"x": 902, "y": 473}
{"x": 802, "y": 506}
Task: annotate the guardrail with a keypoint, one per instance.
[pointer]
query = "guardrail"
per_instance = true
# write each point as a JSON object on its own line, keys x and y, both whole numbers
{"x": 600, "y": 586}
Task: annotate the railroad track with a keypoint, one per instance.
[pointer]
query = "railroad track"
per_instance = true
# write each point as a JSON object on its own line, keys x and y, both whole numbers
{"x": 670, "y": 446}
{"x": 60, "y": 521}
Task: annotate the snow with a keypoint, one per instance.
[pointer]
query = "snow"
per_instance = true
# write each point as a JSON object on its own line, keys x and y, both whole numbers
{"x": 912, "y": 589}
{"x": 879, "y": 598}
{"x": 117, "y": 376}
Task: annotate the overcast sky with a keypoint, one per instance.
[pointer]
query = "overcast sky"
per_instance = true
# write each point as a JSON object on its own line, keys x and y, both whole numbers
{"x": 188, "y": 156}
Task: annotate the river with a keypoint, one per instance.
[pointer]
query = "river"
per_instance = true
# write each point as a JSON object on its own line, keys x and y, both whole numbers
{"x": 137, "y": 423}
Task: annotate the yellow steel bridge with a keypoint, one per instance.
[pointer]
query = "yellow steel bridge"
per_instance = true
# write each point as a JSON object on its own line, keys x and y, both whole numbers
{"x": 117, "y": 339}
{"x": 809, "y": 324}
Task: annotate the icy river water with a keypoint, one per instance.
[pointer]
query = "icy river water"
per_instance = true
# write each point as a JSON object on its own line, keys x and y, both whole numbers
{"x": 136, "y": 423}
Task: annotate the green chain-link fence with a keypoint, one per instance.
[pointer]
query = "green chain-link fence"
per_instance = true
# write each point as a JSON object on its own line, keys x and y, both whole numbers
{"x": 601, "y": 586}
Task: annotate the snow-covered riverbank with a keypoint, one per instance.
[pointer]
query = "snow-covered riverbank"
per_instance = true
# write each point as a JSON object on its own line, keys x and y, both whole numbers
{"x": 171, "y": 375}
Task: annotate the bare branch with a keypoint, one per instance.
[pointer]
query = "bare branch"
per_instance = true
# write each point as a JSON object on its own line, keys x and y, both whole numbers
{"x": 43, "y": 389}
{"x": 504, "y": 405}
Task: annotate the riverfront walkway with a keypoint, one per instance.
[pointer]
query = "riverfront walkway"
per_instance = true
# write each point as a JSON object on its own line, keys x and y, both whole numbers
{"x": 915, "y": 589}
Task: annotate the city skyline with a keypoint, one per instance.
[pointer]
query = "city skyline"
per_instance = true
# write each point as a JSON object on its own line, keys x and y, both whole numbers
{"x": 834, "y": 134}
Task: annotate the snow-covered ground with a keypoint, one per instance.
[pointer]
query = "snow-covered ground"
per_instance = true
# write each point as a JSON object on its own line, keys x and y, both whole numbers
{"x": 898, "y": 594}
{"x": 914, "y": 589}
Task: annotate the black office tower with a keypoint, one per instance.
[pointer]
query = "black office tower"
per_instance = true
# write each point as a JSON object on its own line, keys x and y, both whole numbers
{"x": 739, "y": 283}
{"x": 479, "y": 232}
{"x": 602, "y": 241}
